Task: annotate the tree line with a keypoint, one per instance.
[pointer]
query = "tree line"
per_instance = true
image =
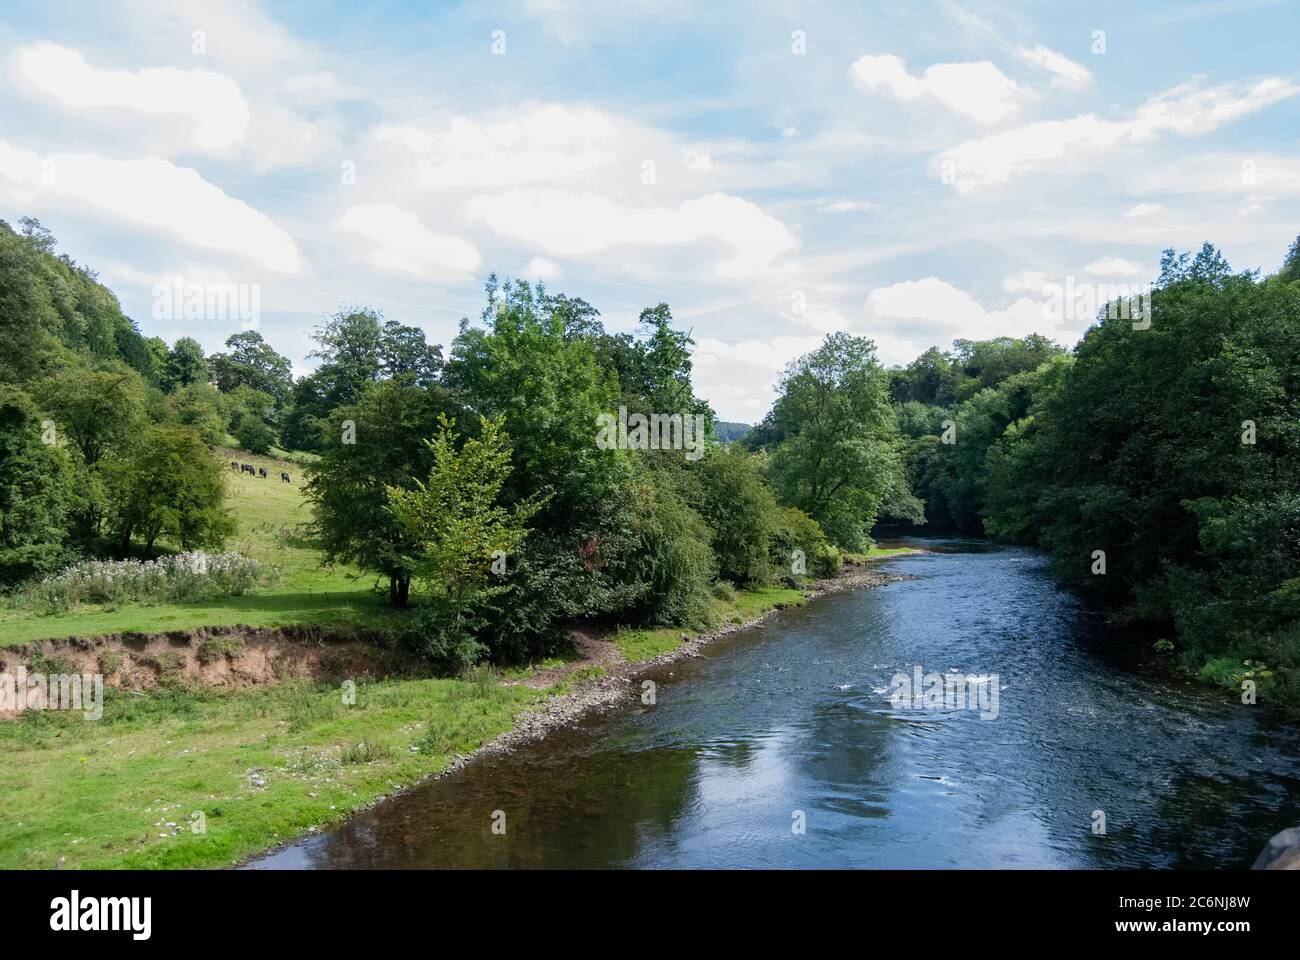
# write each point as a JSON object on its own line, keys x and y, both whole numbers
{"x": 470, "y": 484}
{"x": 1157, "y": 467}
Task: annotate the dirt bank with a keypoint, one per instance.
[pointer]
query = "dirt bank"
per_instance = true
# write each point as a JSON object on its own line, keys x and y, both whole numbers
{"x": 226, "y": 657}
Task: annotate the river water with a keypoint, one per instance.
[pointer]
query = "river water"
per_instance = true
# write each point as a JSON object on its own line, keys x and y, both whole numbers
{"x": 790, "y": 724}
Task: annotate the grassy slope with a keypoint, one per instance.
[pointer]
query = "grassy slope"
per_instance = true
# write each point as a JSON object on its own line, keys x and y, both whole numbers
{"x": 265, "y": 511}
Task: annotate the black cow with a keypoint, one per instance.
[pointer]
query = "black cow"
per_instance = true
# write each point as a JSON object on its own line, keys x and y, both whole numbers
{"x": 234, "y": 465}
{"x": 261, "y": 472}
{"x": 284, "y": 477}
{"x": 246, "y": 468}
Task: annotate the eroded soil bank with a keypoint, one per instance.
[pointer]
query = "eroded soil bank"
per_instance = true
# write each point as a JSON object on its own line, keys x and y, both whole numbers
{"x": 223, "y": 657}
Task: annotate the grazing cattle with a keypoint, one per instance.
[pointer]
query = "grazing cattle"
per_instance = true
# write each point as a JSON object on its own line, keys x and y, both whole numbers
{"x": 234, "y": 465}
{"x": 246, "y": 468}
{"x": 284, "y": 477}
{"x": 261, "y": 472}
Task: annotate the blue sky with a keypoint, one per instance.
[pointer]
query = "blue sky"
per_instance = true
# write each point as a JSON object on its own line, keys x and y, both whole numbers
{"x": 912, "y": 172}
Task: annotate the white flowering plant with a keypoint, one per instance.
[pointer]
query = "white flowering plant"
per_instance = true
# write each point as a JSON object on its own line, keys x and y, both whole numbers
{"x": 177, "y": 578}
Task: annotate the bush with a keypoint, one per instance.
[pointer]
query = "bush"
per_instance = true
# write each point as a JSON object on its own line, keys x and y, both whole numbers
{"x": 255, "y": 436}
{"x": 742, "y": 512}
{"x": 447, "y": 644}
{"x": 724, "y": 590}
{"x": 673, "y": 558}
{"x": 554, "y": 581}
{"x": 795, "y": 530}
{"x": 180, "y": 578}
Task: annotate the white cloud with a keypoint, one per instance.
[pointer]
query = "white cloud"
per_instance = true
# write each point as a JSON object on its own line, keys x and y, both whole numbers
{"x": 848, "y": 206}
{"x": 1142, "y": 210}
{"x": 539, "y": 268}
{"x": 316, "y": 88}
{"x": 821, "y": 318}
{"x": 212, "y": 103}
{"x": 285, "y": 138}
{"x": 552, "y": 143}
{"x": 1065, "y": 72}
{"x": 155, "y": 193}
{"x": 571, "y": 224}
{"x": 1186, "y": 110}
{"x": 978, "y": 90}
{"x": 1255, "y": 171}
{"x": 238, "y": 35}
{"x": 1028, "y": 281}
{"x": 1114, "y": 267}
{"x": 740, "y": 377}
{"x": 931, "y": 303}
{"x": 698, "y": 161}
{"x": 397, "y": 241}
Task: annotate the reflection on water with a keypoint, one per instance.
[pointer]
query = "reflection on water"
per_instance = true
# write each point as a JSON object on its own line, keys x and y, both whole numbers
{"x": 795, "y": 716}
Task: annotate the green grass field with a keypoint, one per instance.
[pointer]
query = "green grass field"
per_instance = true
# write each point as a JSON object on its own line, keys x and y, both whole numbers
{"x": 261, "y": 767}
{"x": 271, "y": 517}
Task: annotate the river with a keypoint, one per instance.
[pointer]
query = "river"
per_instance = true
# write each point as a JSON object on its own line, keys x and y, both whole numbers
{"x": 790, "y": 725}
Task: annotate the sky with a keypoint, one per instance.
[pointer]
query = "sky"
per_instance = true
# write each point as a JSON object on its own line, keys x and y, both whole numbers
{"x": 912, "y": 172}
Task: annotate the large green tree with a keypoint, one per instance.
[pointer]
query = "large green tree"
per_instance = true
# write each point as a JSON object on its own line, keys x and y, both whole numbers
{"x": 457, "y": 529}
{"x": 251, "y": 362}
{"x": 523, "y": 365}
{"x": 36, "y": 492}
{"x": 368, "y": 448}
{"x": 185, "y": 365}
{"x": 1174, "y": 450}
{"x": 834, "y": 434}
{"x": 356, "y": 347}
{"x": 98, "y": 410}
{"x": 169, "y": 486}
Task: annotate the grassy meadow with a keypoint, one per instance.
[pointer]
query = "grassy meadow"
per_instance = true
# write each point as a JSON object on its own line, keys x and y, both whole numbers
{"x": 271, "y": 518}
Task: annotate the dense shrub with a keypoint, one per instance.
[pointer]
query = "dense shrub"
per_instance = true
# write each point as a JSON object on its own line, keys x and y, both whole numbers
{"x": 742, "y": 512}
{"x": 555, "y": 580}
{"x": 255, "y": 436}
{"x": 795, "y": 530}
{"x": 673, "y": 558}
{"x": 425, "y": 629}
{"x": 36, "y": 493}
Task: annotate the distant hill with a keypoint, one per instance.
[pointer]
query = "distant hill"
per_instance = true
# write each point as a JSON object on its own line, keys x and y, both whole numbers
{"x": 727, "y": 431}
